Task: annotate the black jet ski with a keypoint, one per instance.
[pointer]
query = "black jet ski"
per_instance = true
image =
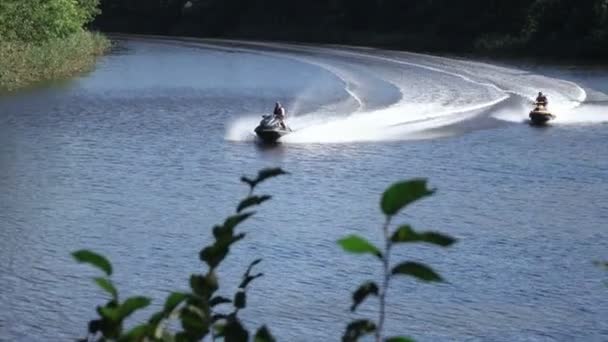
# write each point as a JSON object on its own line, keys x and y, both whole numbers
{"x": 540, "y": 115}
{"x": 271, "y": 129}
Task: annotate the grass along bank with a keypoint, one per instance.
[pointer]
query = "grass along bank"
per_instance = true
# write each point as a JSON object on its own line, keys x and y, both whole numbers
{"x": 26, "y": 63}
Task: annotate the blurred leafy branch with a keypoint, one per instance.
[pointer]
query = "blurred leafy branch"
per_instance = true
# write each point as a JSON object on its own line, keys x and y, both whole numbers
{"x": 394, "y": 200}
{"x": 196, "y": 310}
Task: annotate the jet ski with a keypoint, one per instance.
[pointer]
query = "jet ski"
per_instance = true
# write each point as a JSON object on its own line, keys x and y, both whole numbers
{"x": 540, "y": 115}
{"x": 271, "y": 129}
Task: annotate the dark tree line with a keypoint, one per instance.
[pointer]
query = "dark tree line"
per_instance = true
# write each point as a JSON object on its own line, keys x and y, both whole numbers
{"x": 548, "y": 27}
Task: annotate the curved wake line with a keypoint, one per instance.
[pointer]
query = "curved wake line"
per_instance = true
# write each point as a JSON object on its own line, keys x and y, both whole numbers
{"x": 580, "y": 99}
{"x": 360, "y": 128}
{"x": 390, "y": 123}
{"x": 347, "y": 85}
{"x": 384, "y": 124}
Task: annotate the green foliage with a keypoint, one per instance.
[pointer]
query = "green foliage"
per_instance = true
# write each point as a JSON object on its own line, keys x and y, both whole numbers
{"x": 416, "y": 270}
{"x": 358, "y": 245}
{"x": 262, "y": 176}
{"x": 113, "y": 313}
{"x": 94, "y": 259}
{"x": 406, "y": 234}
{"x": 530, "y": 27}
{"x": 40, "y": 20}
{"x": 357, "y": 329}
{"x": 399, "y": 339}
{"x": 44, "y": 39}
{"x": 174, "y": 299}
{"x": 394, "y": 199}
{"x": 106, "y": 285}
{"x": 365, "y": 290}
{"x": 251, "y": 201}
{"x": 263, "y": 335}
{"x": 88, "y": 9}
{"x": 25, "y": 63}
{"x": 400, "y": 195}
{"x": 195, "y": 310}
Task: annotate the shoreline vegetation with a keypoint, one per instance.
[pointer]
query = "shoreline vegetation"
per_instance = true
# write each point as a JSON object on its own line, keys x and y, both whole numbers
{"x": 542, "y": 29}
{"x": 23, "y": 64}
{"x": 42, "y": 40}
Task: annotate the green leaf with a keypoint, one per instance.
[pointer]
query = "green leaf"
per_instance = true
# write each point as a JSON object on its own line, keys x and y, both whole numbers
{"x": 407, "y": 234}
{"x": 253, "y": 263}
{"x": 219, "y": 330}
{"x": 251, "y": 201}
{"x": 167, "y": 336}
{"x": 399, "y": 339}
{"x": 401, "y": 194}
{"x": 358, "y": 329}
{"x": 111, "y": 313}
{"x": 181, "y": 336}
{"x": 417, "y": 270}
{"x": 156, "y": 319}
{"x": 214, "y": 254}
{"x": 233, "y": 221}
{"x": 194, "y": 324}
{"x": 247, "y": 277}
{"x": 106, "y": 285}
{"x": 219, "y": 300}
{"x": 263, "y": 335}
{"x": 235, "y": 332}
{"x": 249, "y": 181}
{"x": 222, "y": 233}
{"x": 265, "y": 174}
{"x": 365, "y": 290}
{"x": 204, "y": 286}
{"x": 358, "y": 245}
{"x": 97, "y": 260}
{"x": 240, "y": 300}
{"x": 110, "y": 325}
{"x": 94, "y": 326}
{"x": 136, "y": 334}
{"x": 174, "y": 299}
{"x": 131, "y": 305}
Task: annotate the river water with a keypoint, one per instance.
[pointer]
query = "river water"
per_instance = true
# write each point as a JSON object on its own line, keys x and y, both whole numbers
{"x": 139, "y": 158}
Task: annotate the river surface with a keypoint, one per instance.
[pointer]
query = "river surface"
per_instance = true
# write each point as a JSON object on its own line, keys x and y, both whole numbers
{"x": 139, "y": 158}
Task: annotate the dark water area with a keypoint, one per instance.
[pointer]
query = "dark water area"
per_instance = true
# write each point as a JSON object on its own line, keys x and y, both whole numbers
{"x": 141, "y": 157}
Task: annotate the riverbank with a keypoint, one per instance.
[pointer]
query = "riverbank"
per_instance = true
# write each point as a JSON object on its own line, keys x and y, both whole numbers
{"x": 24, "y": 63}
{"x": 528, "y": 29}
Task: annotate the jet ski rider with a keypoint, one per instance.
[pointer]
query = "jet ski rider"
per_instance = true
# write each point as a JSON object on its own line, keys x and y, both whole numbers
{"x": 541, "y": 99}
{"x": 279, "y": 112}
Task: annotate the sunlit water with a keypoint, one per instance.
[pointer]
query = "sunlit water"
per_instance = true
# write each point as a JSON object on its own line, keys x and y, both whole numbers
{"x": 139, "y": 158}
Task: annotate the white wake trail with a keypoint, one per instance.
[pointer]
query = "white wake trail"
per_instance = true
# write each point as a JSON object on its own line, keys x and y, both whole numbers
{"x": 411, "y": 117}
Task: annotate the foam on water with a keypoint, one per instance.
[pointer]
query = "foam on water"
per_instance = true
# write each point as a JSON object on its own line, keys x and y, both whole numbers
{"x": 451, "y": 91}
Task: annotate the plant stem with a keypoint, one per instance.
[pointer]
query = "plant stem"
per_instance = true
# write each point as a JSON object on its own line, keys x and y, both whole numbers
{"x": 387, "y": 277}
